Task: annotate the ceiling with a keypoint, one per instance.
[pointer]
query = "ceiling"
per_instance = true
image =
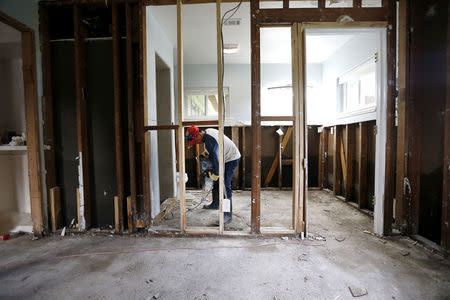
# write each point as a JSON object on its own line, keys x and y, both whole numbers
{"x": 9, "y": 34}
{"x": 199, "y": 36}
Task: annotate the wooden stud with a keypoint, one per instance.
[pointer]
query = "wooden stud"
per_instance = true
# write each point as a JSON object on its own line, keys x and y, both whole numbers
{"x": 357, "y": 3}
{"x": 47, "y": 100}
{"x": 130, "y": 111}
{"x": 256, "y": 120}
{"x": 161, "y": 127}
{"x": 445, "y": 231}
{"x": 180, "y": 90}
{"x": 336, "y": 162}
{"x": 117, "y": 226}
{"x": 55, "y": 208}
{"x": 197, "y": 162}
{"x": 320, "y": 164}
{"x": 389, "y": 179}
{"x": 321, "y": 3}
{"x": 350, "y": 24}
{"x": 220, "y": 113}
{"x": 235, "y": 139}
{"x": 79, "y": 219}
{"x": 350, "y": 157}
{"x": 276, "y": 160}
{"x": 118, "y": 118}
{"x": 244, "y": 154}
{"x": 83, "y": 148}
{"x": 343, "y": 161}
{"x": 130, "y": 214}
{"x": 280, "y": 159}
{"x": 362, "y": 165}
{"x": 276, "y": 118}
{"x": 143, "y": 103}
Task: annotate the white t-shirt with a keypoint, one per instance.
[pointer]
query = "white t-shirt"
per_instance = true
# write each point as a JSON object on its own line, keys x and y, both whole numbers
{"x": 230, "y": 151}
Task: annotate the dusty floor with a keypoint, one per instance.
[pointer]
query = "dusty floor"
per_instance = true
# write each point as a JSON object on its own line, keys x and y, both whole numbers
{"x": 144, "y": 267}
{"x": 276, "y": 211}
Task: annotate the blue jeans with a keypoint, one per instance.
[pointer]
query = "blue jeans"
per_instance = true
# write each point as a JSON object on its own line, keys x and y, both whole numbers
{"x": 230, "y": 167}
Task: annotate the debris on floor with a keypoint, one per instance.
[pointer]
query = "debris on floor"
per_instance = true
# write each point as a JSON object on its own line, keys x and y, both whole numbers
{"x": 285, "y": 238}
{"x": 63, "y": 232}
{"x": 404, "y": 252}
{"x": 340, "y": 238}
{"x": 5, "y": 237}
{"x": 357, "y": 291}
{"x": 367, "y": 232}
{"x": 316, "y": 237}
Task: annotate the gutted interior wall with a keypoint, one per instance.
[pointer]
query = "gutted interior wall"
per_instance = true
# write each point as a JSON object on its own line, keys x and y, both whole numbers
{"x": 159, "y": 45}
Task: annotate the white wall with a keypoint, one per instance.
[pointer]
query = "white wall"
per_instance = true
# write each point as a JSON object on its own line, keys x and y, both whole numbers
{"x": 157, "y": 42}
{"x": 353, "y": 53}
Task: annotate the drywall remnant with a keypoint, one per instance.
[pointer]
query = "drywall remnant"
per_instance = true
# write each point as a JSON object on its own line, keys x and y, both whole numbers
{"x": 357, "y": 291}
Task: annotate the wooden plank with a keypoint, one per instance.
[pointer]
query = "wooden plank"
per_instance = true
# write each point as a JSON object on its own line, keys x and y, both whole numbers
{"x": 337, "y": 175}
{"x": 143, "y": 103}
{"x": 220, "y": 113}
{"x": 78, "y": 210}
{"x": 357, "y": 3}
{"x": 118, "y": 119}
{"x": 351, "y": 24}
{"x": 201, "y": 123}
{"x": 321, "y": 4}
{"x": 197, "y": 162}
{"x": 83, "y": 148}
{"x": 117, "y": 226}
{"x": 276, "y": 160}
{"x": 256, "y": 119}
{"x": 350, "y": 140}
{"x": 166, "y": 208}
{"x": 140, "y": 223}
{"x": 296, "y": 128}
{"x": 32, "y": 125}
{"x": 130, "y": 112}
{"x": 402, "y": 136}
{"x": 280, "y": 159}
{"x": 47, "y": 100}
{"x": 235, "y": 139}
{"x": 180, "y": 90}
{"x": 303, "y": 197}
{"x": 55, "y": 208}
{"x": 325, "y": 158}
{"x": 161, "y": 127}
{"x": 285, "y": 3}
{"x": 321, "y": 163}
{"x": 343, "y": 162}
{"x": 276, "y": 118}
{"x": 130, "y": 214}
{"x": 285, "y": 16}
{"x": 362, "y": 165}
{"x": 445, "y": 231}
{"x": 389, "y": 187}
{"x": 244, "y": 154}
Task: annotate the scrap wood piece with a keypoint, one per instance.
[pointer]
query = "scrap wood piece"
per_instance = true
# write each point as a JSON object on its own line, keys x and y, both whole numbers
{"x": 276, "y": 160}
{"x": 343, "y": 163}
{"x": 166, "y": 207}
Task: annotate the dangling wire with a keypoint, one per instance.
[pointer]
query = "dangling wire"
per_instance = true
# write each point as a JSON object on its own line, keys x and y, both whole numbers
{"x": 232, "y": 11}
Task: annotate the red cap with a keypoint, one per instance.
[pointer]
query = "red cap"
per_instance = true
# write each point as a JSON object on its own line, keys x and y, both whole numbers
{"x": 191, "y": 134}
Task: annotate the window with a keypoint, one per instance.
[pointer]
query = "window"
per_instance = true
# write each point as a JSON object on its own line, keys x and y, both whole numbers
{"x": 202, "y": 104}
{"x": 356, "y": 90}
{"x": 277, "y": 101}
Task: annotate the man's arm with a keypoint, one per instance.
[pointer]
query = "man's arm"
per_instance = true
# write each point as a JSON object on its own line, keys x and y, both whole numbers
{"x": 213, "y": 149}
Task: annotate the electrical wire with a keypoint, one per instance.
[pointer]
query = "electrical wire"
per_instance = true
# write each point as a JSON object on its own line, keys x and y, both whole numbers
{"x": 134, "y": 251}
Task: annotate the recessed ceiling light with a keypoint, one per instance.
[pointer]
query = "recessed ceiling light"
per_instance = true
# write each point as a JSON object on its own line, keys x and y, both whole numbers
{"x": 230, "y": 48}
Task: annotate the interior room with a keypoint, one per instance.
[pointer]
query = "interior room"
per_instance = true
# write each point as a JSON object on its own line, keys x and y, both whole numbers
{"x": 15, "y": 210}
{"x": 224, "y": 149}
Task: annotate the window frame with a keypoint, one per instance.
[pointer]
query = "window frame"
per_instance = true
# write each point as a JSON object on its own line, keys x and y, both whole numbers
{"x": 205, "y": 91}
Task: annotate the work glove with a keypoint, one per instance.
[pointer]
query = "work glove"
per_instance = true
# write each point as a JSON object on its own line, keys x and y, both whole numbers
{"x": 213, "y": 176}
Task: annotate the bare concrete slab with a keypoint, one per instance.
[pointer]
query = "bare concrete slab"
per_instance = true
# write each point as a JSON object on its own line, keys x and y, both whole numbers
{"x": 143, "y": 267}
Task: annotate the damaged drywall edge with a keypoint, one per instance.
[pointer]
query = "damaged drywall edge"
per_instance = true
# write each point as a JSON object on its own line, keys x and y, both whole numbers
{"x": 81, "y": 191}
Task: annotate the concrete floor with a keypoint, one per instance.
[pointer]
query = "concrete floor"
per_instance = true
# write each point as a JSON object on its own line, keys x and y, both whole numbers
{"x": 276, "y": 211}
{"x": 143, "y": 267}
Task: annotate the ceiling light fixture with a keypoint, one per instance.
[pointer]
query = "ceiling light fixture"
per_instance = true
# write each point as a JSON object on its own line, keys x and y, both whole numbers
{"x": 230, "y": 48}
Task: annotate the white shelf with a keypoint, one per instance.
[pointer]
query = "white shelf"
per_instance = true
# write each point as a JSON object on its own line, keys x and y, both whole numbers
{"x": 12, "y": 148}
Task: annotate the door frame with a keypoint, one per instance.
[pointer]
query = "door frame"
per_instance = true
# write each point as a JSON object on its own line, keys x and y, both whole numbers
{"x": 31, "y": 121}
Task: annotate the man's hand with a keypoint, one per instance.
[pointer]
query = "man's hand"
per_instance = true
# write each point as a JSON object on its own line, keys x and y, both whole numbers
{"x": 213, "y": 176}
